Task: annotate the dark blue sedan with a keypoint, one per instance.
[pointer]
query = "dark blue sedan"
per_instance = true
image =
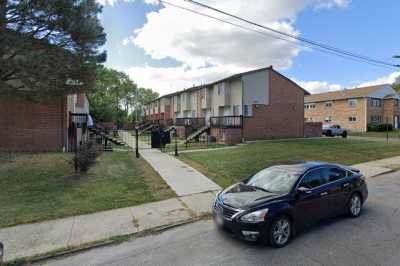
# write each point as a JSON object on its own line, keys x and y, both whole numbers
{"x": 274, "y": 203}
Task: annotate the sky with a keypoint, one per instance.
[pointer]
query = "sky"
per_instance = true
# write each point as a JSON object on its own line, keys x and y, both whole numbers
{"x": 168, "y": 49}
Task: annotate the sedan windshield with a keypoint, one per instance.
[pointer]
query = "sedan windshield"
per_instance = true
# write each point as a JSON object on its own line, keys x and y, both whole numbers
{"x": 275, "y": 179}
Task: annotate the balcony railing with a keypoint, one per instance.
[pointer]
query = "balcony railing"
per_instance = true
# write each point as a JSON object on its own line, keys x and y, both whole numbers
{"x": 227, "y": 121}
{"x": 190, "y": 122}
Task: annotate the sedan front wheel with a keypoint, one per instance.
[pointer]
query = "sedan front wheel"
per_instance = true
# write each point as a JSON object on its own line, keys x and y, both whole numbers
{"x": 280, "y": 232}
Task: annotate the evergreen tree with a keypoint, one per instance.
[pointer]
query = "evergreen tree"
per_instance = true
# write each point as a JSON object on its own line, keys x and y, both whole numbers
{"x": 49, "y": 47}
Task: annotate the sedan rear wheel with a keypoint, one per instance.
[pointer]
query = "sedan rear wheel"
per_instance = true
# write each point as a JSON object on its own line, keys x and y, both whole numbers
{"x": 355, "y": 205}
{"x": 280, "y": 232}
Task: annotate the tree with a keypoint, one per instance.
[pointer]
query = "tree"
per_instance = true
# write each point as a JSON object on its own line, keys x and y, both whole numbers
{"x": 116, "y": 98}
{"x": 49, "y": 46}
{"x": 396, "y": 87}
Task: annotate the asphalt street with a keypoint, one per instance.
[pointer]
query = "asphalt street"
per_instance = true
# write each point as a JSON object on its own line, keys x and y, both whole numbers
{"x": 371, "y": 239}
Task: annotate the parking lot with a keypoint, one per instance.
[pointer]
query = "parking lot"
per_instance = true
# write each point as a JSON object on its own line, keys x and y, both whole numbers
{"x": 372, "y": 239}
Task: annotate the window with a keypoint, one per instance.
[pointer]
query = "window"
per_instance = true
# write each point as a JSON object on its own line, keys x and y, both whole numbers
{"x": 309, "y": 106}
{"x": 313, "y": 179}
{"x": 376, "y": 119}
{"x": 352, "y": 102}
{"x": 376, "y": 103}
{"x": 247, "y": 110}
{"x": 193, "y": 114}
{"x": 334, "y": 174}
{"x": 328, "y": 119}
{"x": 308, "y": 119}
{"x": 221, "y": 88}
{"x": 328, "y": 104}
{"x": 352, "y": 119}
{"x": 275, "y": 179}
{"x": 236, "y": 110}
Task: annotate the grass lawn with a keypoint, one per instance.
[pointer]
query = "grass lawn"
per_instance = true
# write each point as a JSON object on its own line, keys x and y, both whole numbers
{"x": 229, "y": 166}
{"x": 192, "y": 146}
{"x": 392, "y": 134}
{"x": 44, "y": 186}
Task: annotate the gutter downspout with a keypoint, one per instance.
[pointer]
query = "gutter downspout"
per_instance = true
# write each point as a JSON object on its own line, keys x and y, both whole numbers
{"x": 242, "y": 110}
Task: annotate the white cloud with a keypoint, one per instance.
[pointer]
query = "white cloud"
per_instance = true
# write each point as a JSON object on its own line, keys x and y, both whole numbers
{"x": 389, "y": 79}
{"x": 323, "y": 86}
{"x": 171, "y": 79}
{"x": 330, "y": 4}
{"x": 319, "y": 86}
{"x": 125, "y": 41}
{"x": 198, "y": 42}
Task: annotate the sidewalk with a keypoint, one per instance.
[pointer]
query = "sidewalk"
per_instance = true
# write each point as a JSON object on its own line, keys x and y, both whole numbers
{"x": 182, "y": 178}
{"x": 391, "y": 139}
{"x": 374, "y": 168}
{"x": 38, "y": 238}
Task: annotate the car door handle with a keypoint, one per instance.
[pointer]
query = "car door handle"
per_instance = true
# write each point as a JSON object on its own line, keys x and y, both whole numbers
{"x": 346, "y": 184}
{"x": 324, "y": 193}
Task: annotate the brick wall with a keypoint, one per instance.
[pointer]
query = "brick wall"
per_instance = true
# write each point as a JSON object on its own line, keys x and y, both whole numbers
{"x": 283, "y": 117}
{"x": 229, "y": 136}
{"x": 33, "y": 126}
{"x": 312, "y": 129}
{"x": 390, "y": 110}
{"x": 340, "y": 111}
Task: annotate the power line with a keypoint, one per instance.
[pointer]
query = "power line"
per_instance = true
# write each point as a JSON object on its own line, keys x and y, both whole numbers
{"x": 274, "y": 36}
{"x": 308, "y": 41}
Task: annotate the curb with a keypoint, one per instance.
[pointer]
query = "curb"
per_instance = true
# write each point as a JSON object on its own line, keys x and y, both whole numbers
{"x": 115, "y": 240}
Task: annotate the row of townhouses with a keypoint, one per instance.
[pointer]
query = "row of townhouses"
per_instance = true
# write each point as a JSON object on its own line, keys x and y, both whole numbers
{"x": 354, "y": 109}
{"x": 260, "y": 104}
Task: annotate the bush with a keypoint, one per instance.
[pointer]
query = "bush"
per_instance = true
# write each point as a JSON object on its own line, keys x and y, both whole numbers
{"x": 85, "y": 156}
{"x": 379, "y": 127}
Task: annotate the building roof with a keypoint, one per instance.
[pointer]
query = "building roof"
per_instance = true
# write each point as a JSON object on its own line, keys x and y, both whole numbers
{"x": 343, "y": 94}
{"x": 235, "y": 76}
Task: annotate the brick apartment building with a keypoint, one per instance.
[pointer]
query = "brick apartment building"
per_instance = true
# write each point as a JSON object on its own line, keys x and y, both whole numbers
{"x": 260, "y": 104}
{"x": 42, "y": 126}
{"x": 354, "y": 109}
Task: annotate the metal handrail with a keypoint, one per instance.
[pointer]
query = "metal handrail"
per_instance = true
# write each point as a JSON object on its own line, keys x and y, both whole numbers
{"x": 227, "y": 121}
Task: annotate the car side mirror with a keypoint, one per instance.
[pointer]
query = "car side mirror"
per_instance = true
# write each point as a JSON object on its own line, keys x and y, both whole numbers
{"x": 304, "y": 190}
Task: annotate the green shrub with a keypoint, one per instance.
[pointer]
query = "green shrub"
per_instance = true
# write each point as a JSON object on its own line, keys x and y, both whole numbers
{"x": 85, "y": 156}
{"x": 379, "y": 127}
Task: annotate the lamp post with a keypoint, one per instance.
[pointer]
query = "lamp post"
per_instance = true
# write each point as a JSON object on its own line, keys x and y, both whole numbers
{"x": 137, "y": 142}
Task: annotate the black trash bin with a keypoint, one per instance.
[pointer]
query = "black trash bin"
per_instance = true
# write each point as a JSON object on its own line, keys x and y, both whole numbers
{"x": 155, "y": 139}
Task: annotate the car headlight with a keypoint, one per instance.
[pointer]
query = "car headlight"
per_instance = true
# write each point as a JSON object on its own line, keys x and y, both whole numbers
{"x": 255, "y": 217}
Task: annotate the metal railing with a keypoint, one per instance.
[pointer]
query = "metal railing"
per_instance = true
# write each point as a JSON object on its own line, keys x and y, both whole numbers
{"x": 226, "y": 121}
{"x": 190, "y": 122}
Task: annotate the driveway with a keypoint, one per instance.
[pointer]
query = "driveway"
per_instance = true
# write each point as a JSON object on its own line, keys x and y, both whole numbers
{"x": 372, "y": 239}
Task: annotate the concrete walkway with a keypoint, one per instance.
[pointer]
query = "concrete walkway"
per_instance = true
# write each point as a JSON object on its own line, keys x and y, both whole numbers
{"x": 182, "y": 178}
{"x": 391, "y": 139}
{"x": 38, "y": 238}
{"x": 375, "y": 168}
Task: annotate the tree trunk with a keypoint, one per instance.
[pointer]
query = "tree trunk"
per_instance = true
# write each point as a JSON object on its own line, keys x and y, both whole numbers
{"x": 3, "y": 21}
